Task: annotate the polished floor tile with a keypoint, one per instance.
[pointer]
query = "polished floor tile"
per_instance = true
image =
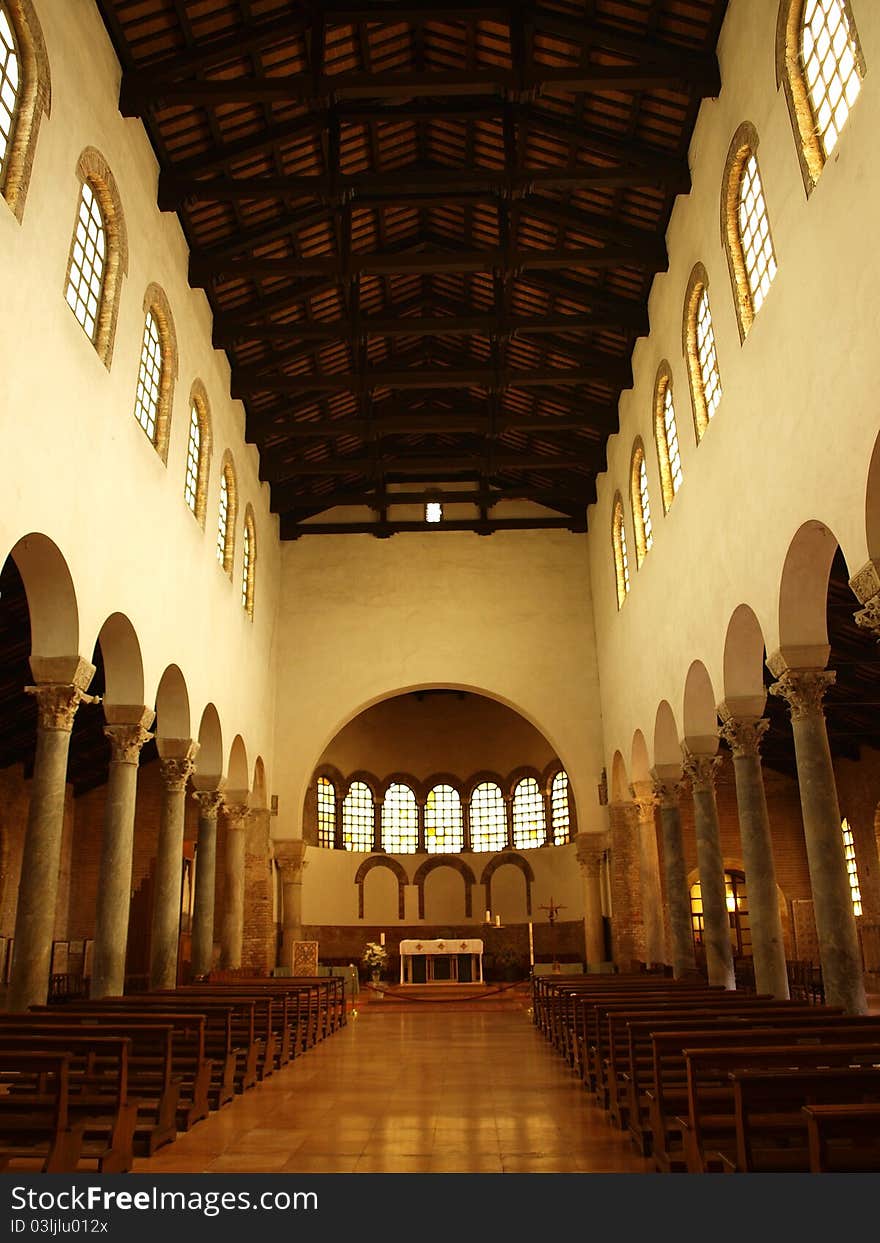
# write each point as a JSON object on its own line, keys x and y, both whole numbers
{"x": 432, "y": 1091}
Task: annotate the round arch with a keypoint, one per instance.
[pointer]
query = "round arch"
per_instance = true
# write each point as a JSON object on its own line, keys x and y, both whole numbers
{"x": 123, "y": 664}
{"x": 515, "y": 860}
{"x": 699, "y": 713}
{"x": 803, "y": 591}
{"x": 744, "y": 662}
{"x": 445, "y": 861}
{"x": 667, "y": 744}
{"x": 172, "y": 705}
{"x": 394, "y": 866}
{"x": 51, "y": 596}
{"x": 209, "y": 761}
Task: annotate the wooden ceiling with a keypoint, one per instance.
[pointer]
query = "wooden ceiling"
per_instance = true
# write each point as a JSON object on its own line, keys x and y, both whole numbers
{"x": 427, "y": 232}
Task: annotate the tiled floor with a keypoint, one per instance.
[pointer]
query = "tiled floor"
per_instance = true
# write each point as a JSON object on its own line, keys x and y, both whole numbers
{"x": 431, "y": 1092}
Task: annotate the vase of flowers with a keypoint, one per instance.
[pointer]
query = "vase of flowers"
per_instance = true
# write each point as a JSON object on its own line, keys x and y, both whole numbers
{"x": 374, "y": 959}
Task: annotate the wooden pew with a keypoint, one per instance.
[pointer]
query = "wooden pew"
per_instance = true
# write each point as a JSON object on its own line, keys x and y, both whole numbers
{"x": 98, "y": 1094}
{"x": 843, "y": 1138}
{"x": 35, "y": 1122}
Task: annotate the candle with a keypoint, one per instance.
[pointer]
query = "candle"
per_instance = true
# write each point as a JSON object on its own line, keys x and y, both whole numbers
{"x": 381, "y": 938}
{"x": 497, "y": 921}
{"x": 531, "y": 945}
{"x": 488, "y": 917}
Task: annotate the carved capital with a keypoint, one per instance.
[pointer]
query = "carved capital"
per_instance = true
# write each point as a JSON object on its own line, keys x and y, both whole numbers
{"x": 236, "y": 815}
{"x": 644, "y": 798}
{"x": 591, "y": 849}
{"x": 869, "y": 617}
{"x": 804, "y": 690}
{"x": 210, "y": 803}
{"x": 700, "y": 769}
{"x": 175, "y": 772}
{"x": 667, "y": 790}
{"x": 743, "y": 734}
{"x": 865, "y": 583}
{"x": 57, "y": 704}
{"x": 126, "y": 742}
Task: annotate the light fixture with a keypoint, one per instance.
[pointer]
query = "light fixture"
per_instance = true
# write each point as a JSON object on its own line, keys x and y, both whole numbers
{"x": 433, "y": 511}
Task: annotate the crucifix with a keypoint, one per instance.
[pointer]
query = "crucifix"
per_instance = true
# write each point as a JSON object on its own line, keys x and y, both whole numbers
{"x": 553, "y": 908}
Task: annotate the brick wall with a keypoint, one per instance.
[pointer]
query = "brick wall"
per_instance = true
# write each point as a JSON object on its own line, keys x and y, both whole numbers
{"x": 627, "y": 930}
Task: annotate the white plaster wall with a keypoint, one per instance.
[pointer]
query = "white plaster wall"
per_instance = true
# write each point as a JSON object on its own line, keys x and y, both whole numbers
{"x": 793, "y": 436}
{"x": 508, "y": 616}
{"x": 79, "y": 468}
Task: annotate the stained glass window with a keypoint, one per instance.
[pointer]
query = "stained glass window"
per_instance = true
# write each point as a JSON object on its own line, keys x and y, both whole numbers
{"x": 400, "y": 821}
{"x": 358, "y": 818}
{"x": 444, "y": 823}
{"x": 529, "y": 817}
{"x": 488, "y": 818}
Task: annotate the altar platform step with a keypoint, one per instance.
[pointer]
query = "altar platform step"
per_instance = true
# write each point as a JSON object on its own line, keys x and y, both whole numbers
{"x": 445, "y": 996}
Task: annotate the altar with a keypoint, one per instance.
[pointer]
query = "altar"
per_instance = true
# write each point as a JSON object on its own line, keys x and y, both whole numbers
{"x": 457, "y": 961}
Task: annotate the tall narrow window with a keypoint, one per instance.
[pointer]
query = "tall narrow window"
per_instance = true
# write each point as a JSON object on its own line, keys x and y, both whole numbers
{"x": 198, "y": 453}
{"x": 85, "y": 272}
{"x": 747, "y": 239}
{"x": 641, "y": 503}
{"x": 444, "y": 824}
{"x": 400, "y": 821}
{"x": 618, "y": 541}
{"x": 358, "y": 818}
{"x": 849, "y": 850}
{"x": 222, "y": 519}
{"x": 700, "y": 351}
{"x": 326, "y": 813}
{"x": 149, "y": 383}
{"x": 666, "y": 436}
{"x": 249, "y": 566}
{"x": 226, "y": 515}
{"x": 193, "y": 457}
{"x": 488, "y": 818}
{"x": 529, "y": 815}
{"x": 560, "y": 814}
{"x": 10, "y": 86}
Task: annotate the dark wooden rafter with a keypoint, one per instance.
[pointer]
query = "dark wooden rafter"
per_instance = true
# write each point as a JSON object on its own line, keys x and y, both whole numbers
{"x": 427, "y": 233}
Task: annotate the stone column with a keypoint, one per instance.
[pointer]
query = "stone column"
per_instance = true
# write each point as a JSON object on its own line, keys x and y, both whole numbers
{"x": 232, "y": 933}
{"x": 165, "y": 928}
{"x": 700, "y": 770}
{"x": 210, "y": 802}
{"x": 591, "y": 848}
{"x": 667, "y": 788}
{"x": 626, "y": 918}
{"x": 743, "y": 734}
{"x": 649, "y": 873}
{"x": 114, "y": 878}
{"x": 57, "y": 703}
{"x": 804, "y": 691}
{"x": 291, "y": 859}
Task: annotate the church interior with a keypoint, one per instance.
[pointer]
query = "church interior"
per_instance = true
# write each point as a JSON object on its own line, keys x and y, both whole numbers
{"x": 440, "y": 711}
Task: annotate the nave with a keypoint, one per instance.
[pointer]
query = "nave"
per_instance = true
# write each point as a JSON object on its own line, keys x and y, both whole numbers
{"x": 431, "y": 1091}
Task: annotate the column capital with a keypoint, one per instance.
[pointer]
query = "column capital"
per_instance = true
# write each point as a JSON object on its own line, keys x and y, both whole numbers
{"x": 743, "y": 734}
{"x": 667, "y": 787}
{"x": 591, "y": 849}
{"x": 57, "y": 703}
{"x": 804, "y": 690}
{"x": 700, "y": 769}
{"x": 644, "y": 797}
{"x": 290, "y": 855}
{"x": 210, "y": 802}
{"x": 236, "y": 815}
{"x": 865, "y": 583}
{"x": 175, "y": 769}
{"x": 869, "y": 616}
{"x": 126, "y": 742}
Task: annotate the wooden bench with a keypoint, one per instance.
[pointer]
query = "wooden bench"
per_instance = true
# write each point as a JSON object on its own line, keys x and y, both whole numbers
{"x": 35, "y": 1121}
{"x": 843, "y": 1138}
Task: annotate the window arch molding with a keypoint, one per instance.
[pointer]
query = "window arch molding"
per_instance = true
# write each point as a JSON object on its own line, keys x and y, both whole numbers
{"x": 227, "y": 475}
{"x": 618, "y": 547}
{"x": 518, "y": 861}
{"x": 791, "y": 77}
{"x": 641, "y": 509}
{"x": 157, "y": 305}
{"x": 198, "y": 401}
{"x": 697, "y": 288}
{"x": 92, "y": 168}
{"x": 396, "y": 869}
{"x": 668, "y": 451}
{"x": 359, "y": 778}
{"x": 743, "y": 146}
{"x": 33, "y": 100}
{"x": 458, "y": 865}
{"x": 249, "y": 561}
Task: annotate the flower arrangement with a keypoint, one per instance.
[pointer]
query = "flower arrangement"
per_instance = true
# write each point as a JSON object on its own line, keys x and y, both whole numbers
{"x": 374, "y": 956}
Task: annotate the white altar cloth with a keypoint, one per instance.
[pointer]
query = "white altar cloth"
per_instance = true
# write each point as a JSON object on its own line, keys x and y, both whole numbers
{"x": 451, "y": 947}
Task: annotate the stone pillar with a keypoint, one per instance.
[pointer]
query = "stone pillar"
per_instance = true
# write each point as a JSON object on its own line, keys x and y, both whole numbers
{"x": 57, "y": 703}
{"x": 291, "y": 859}
{"x": 700, "y": 770}
{"x": 626, "y": 919}
{"x": 232, "y": 933}
{"x": 649, "y": 873}
{"x": 591, "y": 849}
{"x": 114, "y": 878}
{"x": 804, "y": 691}
{"x": 175, "y": 766}
{"x": 210, "y": 802}
{"x": 743, "y": 734}
{"x": 667, "y": 789}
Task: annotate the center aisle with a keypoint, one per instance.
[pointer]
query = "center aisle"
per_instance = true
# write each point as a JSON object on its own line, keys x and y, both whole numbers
{"x": 430, "y": 1091}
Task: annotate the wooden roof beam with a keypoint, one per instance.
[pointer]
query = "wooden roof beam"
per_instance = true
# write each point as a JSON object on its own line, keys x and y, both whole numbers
{"x": 378, "y": 496}
{"x": 291, "y": 529}
{"x": 599, "y": 420}
{"x": 435, "y": 468}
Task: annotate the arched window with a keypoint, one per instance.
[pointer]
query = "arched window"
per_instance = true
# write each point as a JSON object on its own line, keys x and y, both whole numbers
{"x": 400, "y": 821}
{"x": 819, "y": 59}
{"x": 249, "y": 563}
{"x": 98, "y": 254}
{"x": 529, "y": 816}
{"x": 488, "y": 818}
{"x": 666, "y": 437}
{"x": 618, "y": 541}
{"x": 326, "y": 813}
{"x": 358, "y": 818}
{"x": 444, "y": 823}
{"x": 157, "y": 370}
{"x": 560, "y": 815}
{"x": 641, "y": 504}
{"x": 737, "y": 913}
{"x": 700, "y": 351}
{"x": 746, "y": 228}
{"x": 25, "y": 94}
{"x": 849, "y": 850}
{"x": 226, "y": 515}
{"x": 198, "y": 450}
